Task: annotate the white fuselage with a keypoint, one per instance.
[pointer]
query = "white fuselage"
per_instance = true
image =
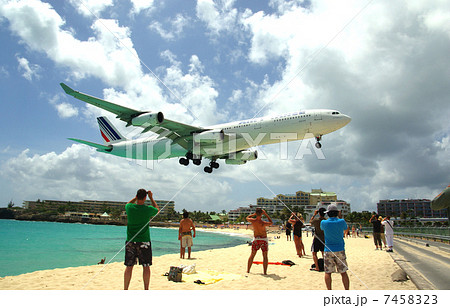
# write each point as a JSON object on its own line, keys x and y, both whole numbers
{"x": 240, "y": 135}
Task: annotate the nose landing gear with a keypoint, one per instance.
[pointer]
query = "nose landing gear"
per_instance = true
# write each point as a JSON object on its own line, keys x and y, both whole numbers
{"x": 318, "y": 144}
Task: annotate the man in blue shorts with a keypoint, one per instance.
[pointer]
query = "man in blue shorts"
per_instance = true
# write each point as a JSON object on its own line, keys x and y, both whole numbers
{"x": 334, "y": 255}
{"x": 138, "y": 245}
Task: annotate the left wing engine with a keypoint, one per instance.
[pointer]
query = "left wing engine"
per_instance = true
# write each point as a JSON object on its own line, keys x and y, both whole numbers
{"x": 148, "y": 119}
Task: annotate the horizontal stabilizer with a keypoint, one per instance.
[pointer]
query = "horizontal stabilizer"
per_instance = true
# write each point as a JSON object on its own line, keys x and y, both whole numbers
{"x": 100, "y": 147}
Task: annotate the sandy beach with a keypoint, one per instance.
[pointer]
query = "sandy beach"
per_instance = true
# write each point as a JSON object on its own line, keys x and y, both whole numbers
{"x": 225, "y": 269}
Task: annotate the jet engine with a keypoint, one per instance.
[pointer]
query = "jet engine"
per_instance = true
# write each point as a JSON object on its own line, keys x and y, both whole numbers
{"x": 148, "y": 119}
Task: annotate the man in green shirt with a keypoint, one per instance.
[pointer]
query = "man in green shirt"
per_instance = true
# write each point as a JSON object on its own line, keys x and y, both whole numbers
{"x": 138, "y": 245}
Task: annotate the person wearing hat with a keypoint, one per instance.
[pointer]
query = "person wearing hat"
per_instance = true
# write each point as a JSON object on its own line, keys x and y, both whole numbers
{"x": 334, "y": 255}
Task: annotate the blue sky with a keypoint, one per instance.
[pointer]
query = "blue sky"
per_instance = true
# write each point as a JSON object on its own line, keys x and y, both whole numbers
{"x": 385, "y": 64}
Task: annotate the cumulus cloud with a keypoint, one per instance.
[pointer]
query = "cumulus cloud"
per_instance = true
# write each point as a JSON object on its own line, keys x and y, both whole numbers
{"x": 385, "y": 65}
{"x": 29, "y": 71}
{"x": 66, "y": 110}
{"x": 79, "y": 173}
{"x": 175, "y": 27}
{"x": 91, "y": 8}
{"x": 141, "y": 5}
{"x": 218, "y": 16}
{"x": 109, "y": 56}
{"x": 382, "y": 70}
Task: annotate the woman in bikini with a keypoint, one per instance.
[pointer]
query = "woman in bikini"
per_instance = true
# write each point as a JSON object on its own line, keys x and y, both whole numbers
{"x": 298, "y": 223}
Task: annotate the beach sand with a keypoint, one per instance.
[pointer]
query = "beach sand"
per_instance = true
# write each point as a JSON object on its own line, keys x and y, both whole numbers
{"x": 225, "y": 269}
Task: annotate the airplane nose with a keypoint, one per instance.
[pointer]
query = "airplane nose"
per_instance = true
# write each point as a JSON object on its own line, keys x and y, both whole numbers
{"x": 346, "y": 119}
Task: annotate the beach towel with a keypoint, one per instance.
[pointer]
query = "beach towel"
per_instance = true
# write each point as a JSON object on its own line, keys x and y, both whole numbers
{"x": 210, "y": 276}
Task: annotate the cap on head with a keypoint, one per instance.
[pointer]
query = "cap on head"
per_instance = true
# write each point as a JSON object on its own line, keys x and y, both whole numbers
{"x": 332, "y": 207}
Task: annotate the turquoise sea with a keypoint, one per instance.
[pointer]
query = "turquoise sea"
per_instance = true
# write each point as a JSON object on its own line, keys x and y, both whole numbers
{"x": 27, "y": 246}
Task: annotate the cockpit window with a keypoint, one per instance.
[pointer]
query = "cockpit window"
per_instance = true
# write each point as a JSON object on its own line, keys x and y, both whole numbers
{"x": 335, "y": 112}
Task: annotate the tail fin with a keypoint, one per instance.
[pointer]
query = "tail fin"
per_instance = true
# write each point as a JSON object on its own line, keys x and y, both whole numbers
{"x": 108, "y": 131}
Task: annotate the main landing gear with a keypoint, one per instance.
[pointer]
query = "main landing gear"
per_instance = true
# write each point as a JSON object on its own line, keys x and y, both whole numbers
{"x": 197, "y": 161}
{"x": 212, "y": 165}
{"x": 318, "y": 144}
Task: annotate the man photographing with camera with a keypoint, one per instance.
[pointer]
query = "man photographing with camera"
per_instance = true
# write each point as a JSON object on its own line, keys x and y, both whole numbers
{"x": 334, "y": 255}
{"x": 138, "y": 245}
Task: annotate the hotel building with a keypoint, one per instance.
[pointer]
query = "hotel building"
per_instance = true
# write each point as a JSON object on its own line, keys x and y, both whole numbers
{"x": 412, "y": 207}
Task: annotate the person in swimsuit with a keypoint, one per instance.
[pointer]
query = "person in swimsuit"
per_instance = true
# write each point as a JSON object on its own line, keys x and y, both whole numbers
{"x": 185, "y": 236}
{"x": 298, "y": 223}
{"x": 288, "y": 231}
{"x": 260, "y": 234}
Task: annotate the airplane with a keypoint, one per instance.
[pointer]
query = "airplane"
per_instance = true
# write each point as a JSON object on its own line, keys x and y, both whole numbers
{"x": 229, "y": 141}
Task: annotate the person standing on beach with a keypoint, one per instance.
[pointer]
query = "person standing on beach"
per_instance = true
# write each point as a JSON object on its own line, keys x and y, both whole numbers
{"x": 260, "y": 237}
{"x": 388, "y": 232}
{"x": 288, "y": 231}
{"x": 138, "y": 245}
{"x": 334, "y": 255}
{"x": 319, "y": 237}
{"x": 185, "y": 235}
{"x": 376, "y": 231}
{"x": 298, "y": 223}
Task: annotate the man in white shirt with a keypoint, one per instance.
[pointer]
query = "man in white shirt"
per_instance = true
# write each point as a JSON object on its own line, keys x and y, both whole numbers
{"x": 388, "y": 232}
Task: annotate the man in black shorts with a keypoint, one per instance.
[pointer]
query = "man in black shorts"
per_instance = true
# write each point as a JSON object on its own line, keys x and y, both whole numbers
{"x": 319, "y": 237}
{"x": 138, "y": 245}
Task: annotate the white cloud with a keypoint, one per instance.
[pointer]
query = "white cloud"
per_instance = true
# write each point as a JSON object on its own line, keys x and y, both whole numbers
{"x": 66, "y": 110}
{"x": 176, "y": 27}
{"x": 141, "y": 5}
{"x": 218, "y": 16}
{"x": 29, "y": 71}
{"x": 3, "y": 72}
{"x": 388, "y": 69}
{"x": 91, "y": 8}
{"x": 109, "y": 57}
{"x": 79, "y": 173}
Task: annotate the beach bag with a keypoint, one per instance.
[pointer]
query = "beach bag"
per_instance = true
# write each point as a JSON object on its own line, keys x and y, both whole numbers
{"x": 321, "y": 265}
{"x": 175, "y": 274}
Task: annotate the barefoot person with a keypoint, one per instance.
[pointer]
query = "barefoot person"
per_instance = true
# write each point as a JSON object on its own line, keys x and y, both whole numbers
{"x": 319, "y": 237}
{"x": 185, "y": 235}
{"x": 260, "y": 234}
{"x": 138, "y": 245}
{"x": 298, "y": 223}
{"x": 334, "y": 255}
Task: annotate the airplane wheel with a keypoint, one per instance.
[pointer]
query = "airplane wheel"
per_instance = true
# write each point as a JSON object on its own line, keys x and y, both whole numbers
{"x": 189, "y": 155}
{"x": 207, "y": 169}
{"x": 184, "y": 161}
{"x": 214, "y": 165}
{"x": 197, "y": 162}
{"x": 318, "y": 145}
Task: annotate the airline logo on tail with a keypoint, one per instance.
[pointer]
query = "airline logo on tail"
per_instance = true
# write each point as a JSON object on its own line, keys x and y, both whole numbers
{"x": 108, "y": 131}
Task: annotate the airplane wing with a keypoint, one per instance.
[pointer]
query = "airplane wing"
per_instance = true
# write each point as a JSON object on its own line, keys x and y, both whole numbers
{"x": 179, "y": 132}
{"x": 123, "y": 113}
